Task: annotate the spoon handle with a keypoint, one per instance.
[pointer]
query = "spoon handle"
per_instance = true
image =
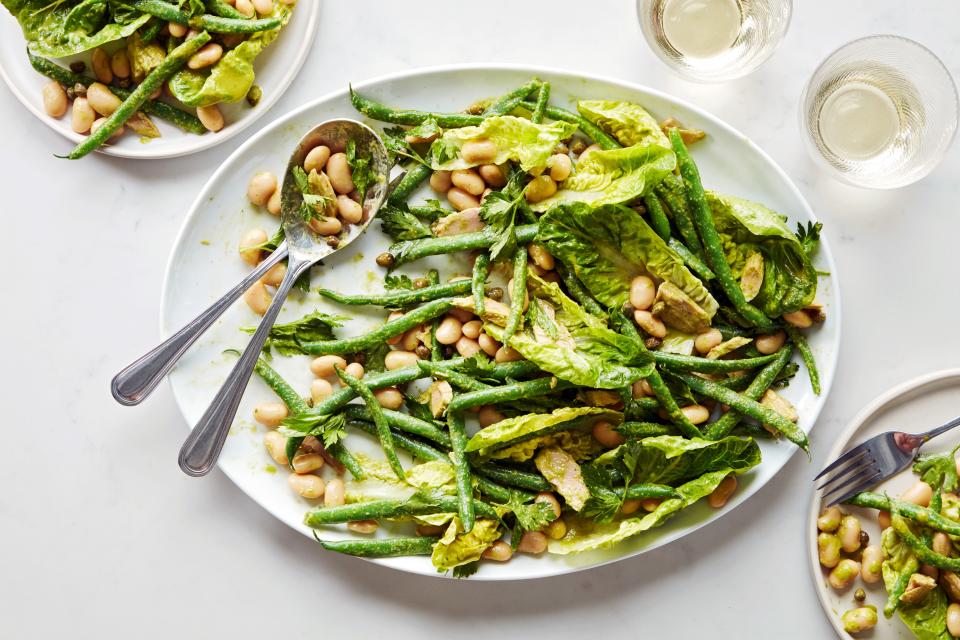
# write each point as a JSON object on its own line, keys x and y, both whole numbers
{"x": 202, "y": 447}
{"x": 132, "y": 385}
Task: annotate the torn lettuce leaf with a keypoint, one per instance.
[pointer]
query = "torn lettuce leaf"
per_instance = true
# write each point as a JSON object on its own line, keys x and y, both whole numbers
{"x": 586, "y": 535}
{"x": 562, "y": 471}
{"x": 524, "y": 428}
{"x": 629, "y": 123}
{"x": 56, "y": 29}
{"x": 563, "y": 339}
{"x": 607, "y": 247}
{"x": 671, "y": 459}
{"x": 789, "y": 280}
{"x": 381, "y": 483}
{"x": 579, "y": 444}
{"x": 517, "y": 139}
{"x": 456, "y": 548}
{"x": 678, "y": 342}
{"x": 927, "y": 619}
{"x": 613, "y": 176}
{"x": 230, "y": 79}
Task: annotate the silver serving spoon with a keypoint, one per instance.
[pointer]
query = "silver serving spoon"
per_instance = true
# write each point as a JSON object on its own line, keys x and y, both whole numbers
{"x": 202, "y": 447}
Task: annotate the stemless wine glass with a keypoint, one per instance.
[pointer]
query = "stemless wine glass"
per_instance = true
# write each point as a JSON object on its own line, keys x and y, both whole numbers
{"x": 714, "y": 40}
{"x": 880, "y": 112}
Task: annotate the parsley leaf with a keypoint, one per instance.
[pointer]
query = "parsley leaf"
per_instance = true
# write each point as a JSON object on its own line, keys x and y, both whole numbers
{"x": 373, "y": 358}
{"x": 330, "y": 429}
{"x": 400, "y": 224}
{"x": 533, "y": 516}
{"x": 604, "y": 503}
{"x": 361, "y": 171}
{"x": 499, "y": 211}
{"x": 288, "y": 338}
{"x": 397, "y": 282}
{"x": 192, "y": 7}
{"x": 318, "y": 194}
{"x": 466, "y": 570}
{"x": 809, "y": 236}
{"x": 443, "y": 151}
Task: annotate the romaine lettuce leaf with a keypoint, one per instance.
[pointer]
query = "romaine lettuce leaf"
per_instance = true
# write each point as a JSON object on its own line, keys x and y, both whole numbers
{"x": 59, "y": 29}
{"x": 524, "y": 428}
{"x": 629, "y": 123}
{"x": 928, "y": 619}
{"x": 381, "y": 483}
{"x": 790, "y": 280}
{"x": 608, "y": 246}
{"x": 671, "y": 459}
{"x": 562, "y": 471}
{"x": 563, "y": 339}
{"x": 585, "y": 535}
{"x": 613, "y": 176}
{"x": 517, "y": 139}
{"x": 230, "y": 79}
{"x": 456, "y": 548}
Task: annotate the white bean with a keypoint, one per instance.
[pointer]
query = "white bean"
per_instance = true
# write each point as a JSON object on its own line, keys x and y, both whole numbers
{"x": 208, "y": 55}
{"x": 263, "y": 7}
{"x": 488, "y": 344}
{"x": 325, "y": 366}
{"x": 245, "y": 7}
{"x": 275, "y": 203}
{"x": 507, "y": 354}
{"x": 642, "y": 292}
{"x": 261, "y": 186}
{"x": 696, "y": 413}
{"x": 316, "y": 160}
{"x": 920, "y": 494}
{"x": 308, "y": 486}
{"x": 389, "y": 398}
{"x": 82, "y": 115}
{"x": 120, "y": 64}
{"x": 251, "y": 239}
{"x": 650, "y": 323}
{"x": 334, "y": 496}
{"x": 723, "y": 492}
{"x": 467, "y": 347}
{"x": 101, "y": 99}
{"x": 539, "y": 189}
{"x": 275, "y": 275}
{"x": 54, "y": 99}
{"x": 707, "y": 340}
{"x": 604, "y": 433}
{"x": 177, "y": 30}
{"x": 468, "y": 180}
{"x": 560, "y": 166}
{"x": 849, "y": 533}
{"x": 461, "y": 200}
{"x": 306, "y": 462}
{"x": 329, "y": 226}
{"x": 338, "y": 170}
{"x": 449, "y": 330}
{"x": 355, "y": 369}
{"x": 320, "y": 390}
{"x": 100, "y": 63}
{"x": 211, "y": 117}
{"x": 399, "y": 359}
{"x": 770, "y": 342}
{"x": 540, "y": 256}
{"x": 953, "y": 619}
{"x": 440, "y": 181}
{"x": 872, "y": 559}
{"x": 258, "y": 298}
{"x": 533, "y": 542}
{"x": 481, "y": 151}
{"x": 270, "y": 414}
{"x": 349, "y": 210}
{"x": 276, "y": 445}
{"x": 799, "y": 319}
{"x": 493, "y": 175}
{"x": 471, "y": 329}
{"x": 489, "y": 415}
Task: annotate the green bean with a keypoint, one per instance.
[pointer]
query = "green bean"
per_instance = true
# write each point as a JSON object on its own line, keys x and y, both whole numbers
{"x": 412, "y": 179}
{"x": 671, "y": 191}
{"x": 436, "y": 351}
{"x": 681, "y": 362}
{"x": 511, "y": 370}
{"x": 384, "y": 113}
{"x": 206, "y": 22}
{"x": 376, "y": 509}
{"x": 383, "y": 548}
{"x": 509, "y": 101}
{"x": 402, "y": 422}
{"x": 757, "y": 387}
{"x": 747, "y": 406}
{"x": 643, "y": 429}
{"x": 514, "y": 477}
{"x": 480, "y": 267}
{"x": 186, "y": 121}
{"x": 589, "y": 129}
{"x": 903, "y": 579}
{"x": 461, "y": 467}
{"x": 382, "y": 333}
{"x": 222, "y": 9}
{"x": 640, "y": 408}
{"x": 658, "y": 217}
{"x": 150, "y": 31}
{"x": 923, "y": 515}
{"x": 400, "y": 297}
{"x": 518, "y": 294}
{"x": 647, "y": 491}
{"x": 508, "y": 393}
{"x": 379, "y": 420}
{"x": 693, "y": 263}
{"x": 454, "y": 377}
{"x": 712, "y": 245}
{"x": 539, "y": 109}
{"x": 375, "y": 381}
{"x": 171, "y": 64}
{"x": 807, "y": 355}
{"x": 410, "y": 250}
{"x": 736, "y": 383}
{"x": 577, "y": 291}
{"x": 924, "y": 554}
{"x": 667, "y": 402}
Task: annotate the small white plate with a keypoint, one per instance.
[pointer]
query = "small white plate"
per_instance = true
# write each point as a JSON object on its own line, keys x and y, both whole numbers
{"x": 204, "y": 264}
{"x": 914, "y": 406}
{"x": 275, "y": 68}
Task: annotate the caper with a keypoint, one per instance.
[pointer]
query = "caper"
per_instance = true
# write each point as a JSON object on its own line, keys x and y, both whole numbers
{"x": 360, "y": 358}
{"x": 860, "y": 595}
{"x": 495, "y": 293}
{"x": 80, "y": 90}
{"x": 420, "y": 283}
{"x": 653, "y": 343}
{"x": 386, "y": 259}
{"x": 864, "y": 538}
{"x": 123, "y": 83}
{"x": 254, "y": 95}
{"x": 423, "y": 351}
{"x": 333, "y": 241}
{"x": 78, "y": 67}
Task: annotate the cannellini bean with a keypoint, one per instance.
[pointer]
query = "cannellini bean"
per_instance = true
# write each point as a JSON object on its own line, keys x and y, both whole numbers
{"x": 533, "y": 542}
{"x": 849, "y": 533}
{"x": 696, "y": 413}
{"x": 440, "y": 181}
{"x": 953, "y": 619}
{"x": 389, "y": 398}
{"x": 399, "y": 359}
{"x": 630, "y": 506}
{"x": 411, "y": 339}
{"x": 245, "y": 7}
{"x": 100, "y": 63}
{"x": 560, "y": 166}
{"x": 865, "y": 618}
{"x": 449, "y": 330}
{"x": 338, "y": 170}
{"x": 325, "y": 366}
{"x": 843, "y": 575}
{"x": 707, "y": 340}
{"x": 507, "y": 354}
{"x": 261, "y": 186}
{"x": 306, "y": 462}
{"x": 547, "y": 497}
{"x": 308, "y": 486}
{"x": 394, "y": 315}
{"x": 54, "y": 99}
{"x": 470, "y": 329}
{"x": 258, "y": 298}
{"x": 355, "y": 369}
{"x": 770, "y": 342}
{"x": 799, "y": 319}
{"x": 540, "y": 256}
{"x": 82, "y": 116}
{"x": 350, "y": 210}
{"x": 723, "y": 492}
{"x": 493, "y": 175}
{"x": 251, "y": 239}
{"x": 467, "y": 347}
{"x": 650, "y": 504}
{"x": 101, "y": 99}
{"x": 211, "y": 117}
{"x": 604, "y": 433}
{"x": 499, "y": 551}
{"x": 593, "y": 147}
{"x": 276, "y": 445}
{"x": 468, "y": 180}
{"x": 556, "y": 529}
{"x": 829, "y": 520}
{"x": 641, "y": 389}
{"x": 489, "y": 345}
{"x": 320, "y": 390}
{"x": 363, "y": 526}
{"x": 316, "y": 160}
{"x": 178, "y": 30}
{"x": 828, "y": 549}
{"x": 480, "y": 151}
{"x": 539, "y": 189}
{"x": 461, "y": 200}
{"x": 650, "y": 323}
{"x": 642, "y": 292}
{"x": 489, "y": 415}
{"x": 942, "y": 544}
{"x": 263, "y": 7}
{"x": 884, "y": 519}
{"x": 270, "y": 414}
{"x": 335, "y": 494}
{"x": 871, "y": 559}
{"x": 275, "y": 203}
{"x": 919, "y": 494}
{"x": 208, "y": 55}
{"x": 120, "y": 64}
{"x": 329, "y": 226}
{"x": 274, "y": 276}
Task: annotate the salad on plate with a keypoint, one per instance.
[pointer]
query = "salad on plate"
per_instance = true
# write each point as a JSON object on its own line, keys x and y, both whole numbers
{"x": 578, "y": 340}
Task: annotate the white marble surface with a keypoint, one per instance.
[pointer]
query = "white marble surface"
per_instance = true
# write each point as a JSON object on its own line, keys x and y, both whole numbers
{"x": 102, "y": 536}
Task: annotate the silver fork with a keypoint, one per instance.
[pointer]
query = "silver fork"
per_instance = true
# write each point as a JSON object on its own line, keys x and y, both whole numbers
{"x": 871, "y": 462}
